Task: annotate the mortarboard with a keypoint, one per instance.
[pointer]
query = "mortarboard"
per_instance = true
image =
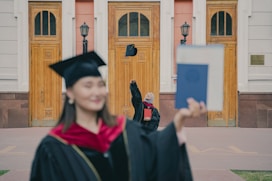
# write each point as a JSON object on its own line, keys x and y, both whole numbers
{"x": 131, "y": 50}
{"x": 77, "y": 67}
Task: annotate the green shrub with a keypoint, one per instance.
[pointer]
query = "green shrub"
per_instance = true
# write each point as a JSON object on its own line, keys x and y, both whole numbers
{"x": 2, "y": 172}
{"x": 253, "y": 175}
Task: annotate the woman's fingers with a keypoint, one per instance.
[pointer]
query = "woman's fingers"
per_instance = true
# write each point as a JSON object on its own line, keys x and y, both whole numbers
{"x": 203, "y": 108}
{"x": 195, "y": 109}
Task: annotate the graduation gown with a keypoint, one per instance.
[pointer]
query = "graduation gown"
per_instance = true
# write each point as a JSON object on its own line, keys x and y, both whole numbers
{"x": 139, "y": 107}
{"x": 132, "y": 156}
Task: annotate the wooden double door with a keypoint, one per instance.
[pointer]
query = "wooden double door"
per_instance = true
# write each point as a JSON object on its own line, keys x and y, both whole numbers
{"x": 221, "y": 29}
{"x": 133, "y": 23}
{"x": 45, "y": 48}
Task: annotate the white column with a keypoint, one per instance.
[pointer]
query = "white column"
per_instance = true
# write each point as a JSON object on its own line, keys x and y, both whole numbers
{"x": 101, "y": 33}
{"x": 21, "y": 14}
{"x": 101, "y": 28}
{"x": 244, "y": 12}
{"x": 199, "y": 22}
{"x": 166, "y": 45}
{"x": 68, "y": 29}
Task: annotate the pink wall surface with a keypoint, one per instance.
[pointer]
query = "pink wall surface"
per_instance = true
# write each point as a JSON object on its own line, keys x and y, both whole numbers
{"x": 183, "y": 12}
{"x": 84, "y": 13}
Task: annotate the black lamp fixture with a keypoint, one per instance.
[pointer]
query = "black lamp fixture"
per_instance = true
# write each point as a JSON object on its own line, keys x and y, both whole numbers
{"x": 84, "y": 29}
{"x": 184, "y": 31}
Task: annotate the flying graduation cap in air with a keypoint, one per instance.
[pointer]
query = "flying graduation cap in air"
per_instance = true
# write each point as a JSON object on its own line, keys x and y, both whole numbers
{"x": 77, "y": 67}
{"x": 131, "y": 50}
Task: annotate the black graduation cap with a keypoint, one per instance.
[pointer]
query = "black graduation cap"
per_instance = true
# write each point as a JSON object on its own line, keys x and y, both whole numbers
{"x": 131, "y": 50}
{"x": 79, "y": 66}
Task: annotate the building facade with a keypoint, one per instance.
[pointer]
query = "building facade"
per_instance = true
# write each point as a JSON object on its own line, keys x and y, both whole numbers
{"x": 36, "y": 33}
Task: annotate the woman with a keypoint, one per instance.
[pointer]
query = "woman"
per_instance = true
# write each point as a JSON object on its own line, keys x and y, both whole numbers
{"x": 88, "y": 143}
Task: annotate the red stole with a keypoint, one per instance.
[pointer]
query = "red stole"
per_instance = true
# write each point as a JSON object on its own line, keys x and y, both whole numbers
{"x": 77, "y": 135}
{"x": 149, "y": 105}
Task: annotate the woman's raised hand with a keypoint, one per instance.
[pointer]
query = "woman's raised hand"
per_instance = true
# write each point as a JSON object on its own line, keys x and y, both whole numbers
{"x": 195, "y": 109}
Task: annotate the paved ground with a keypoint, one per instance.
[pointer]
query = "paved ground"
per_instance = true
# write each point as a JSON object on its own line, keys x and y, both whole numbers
{"x": 213, "y": 151}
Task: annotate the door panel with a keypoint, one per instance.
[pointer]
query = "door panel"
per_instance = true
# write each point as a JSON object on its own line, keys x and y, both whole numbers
{"x": 221, "y": 18}
{"x": 45, "y": 102}
{"x": 45, "y": 48}
{"x": 144, "y": 67}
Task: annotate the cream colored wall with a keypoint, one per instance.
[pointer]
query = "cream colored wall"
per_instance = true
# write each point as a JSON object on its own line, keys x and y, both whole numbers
{"x": 8, "y": 47}
{"x": 260, "y": 43}
{"x": 254, "y": 37}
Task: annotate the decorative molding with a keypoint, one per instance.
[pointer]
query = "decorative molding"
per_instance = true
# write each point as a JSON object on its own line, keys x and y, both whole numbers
{"x": 8, "y": 77}
{"x": 264, "y": 77}
{"x": 260, "y": 87}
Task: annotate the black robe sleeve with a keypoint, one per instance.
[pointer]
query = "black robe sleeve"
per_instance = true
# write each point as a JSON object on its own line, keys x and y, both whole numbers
{"x": 136, "y": 102}
{"x": 135, "y": 92}
{"x": 44, "y": 166}
{"x": 158, "y": 156}
{"x": 172, "y": 160}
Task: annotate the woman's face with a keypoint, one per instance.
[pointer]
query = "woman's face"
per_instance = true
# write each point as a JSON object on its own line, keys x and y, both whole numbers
{"x": 89, "y": 93}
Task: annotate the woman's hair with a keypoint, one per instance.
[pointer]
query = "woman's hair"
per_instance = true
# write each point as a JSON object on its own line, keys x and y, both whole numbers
{"x": 68, "y": 115}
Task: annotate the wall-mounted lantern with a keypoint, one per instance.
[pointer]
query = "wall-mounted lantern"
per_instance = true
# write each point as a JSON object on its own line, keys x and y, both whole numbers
{"x": 184, "y": 31}
{"x": 84, "y": 30}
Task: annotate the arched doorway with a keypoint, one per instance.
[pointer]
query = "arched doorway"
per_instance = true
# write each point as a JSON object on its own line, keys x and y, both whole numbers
{"x": 45, "y": 48}
{"x": 221, "y": 28}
